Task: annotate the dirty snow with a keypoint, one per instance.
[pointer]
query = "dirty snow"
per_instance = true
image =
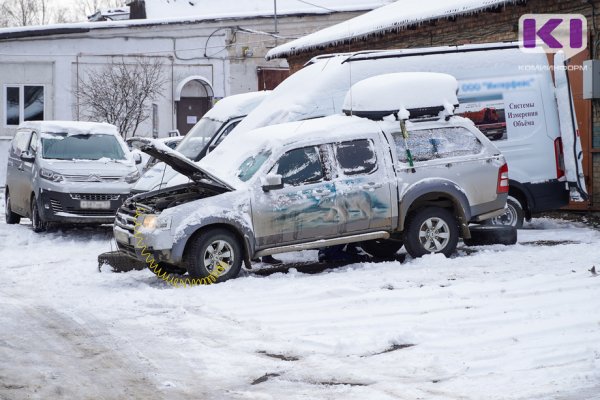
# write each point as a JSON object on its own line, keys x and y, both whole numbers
{"x": 519, "y": 322}
{"x": 395, "y": 16}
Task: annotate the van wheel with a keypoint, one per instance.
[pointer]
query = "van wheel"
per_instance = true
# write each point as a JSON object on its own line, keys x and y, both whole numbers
{"x": 11, "y": 217}
{"x": 215, "y": 255}
{"x": 431, "y": 230}
{"x": 381, "y": 248}
{"x": 39, "y": 225}
{"x": 513, "y": 216}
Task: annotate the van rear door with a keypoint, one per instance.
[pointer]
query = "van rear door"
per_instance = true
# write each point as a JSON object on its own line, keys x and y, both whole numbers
{"x": 572, "y": 150}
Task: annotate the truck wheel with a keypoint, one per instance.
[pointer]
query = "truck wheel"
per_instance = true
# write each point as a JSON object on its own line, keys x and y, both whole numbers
{"x": 215, "y": 255}
{"x": 381, "y": 248}
{"x": 483, "y": 235}
{"x": 39, "y": 225}
{"x": 513, "y": 216}
{"x": 11, "y": 217}
{"x": 431, "y": 230}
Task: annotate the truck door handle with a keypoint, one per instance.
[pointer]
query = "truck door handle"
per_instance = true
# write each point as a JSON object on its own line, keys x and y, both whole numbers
{"x": 371, "y": 185}
{"x": 321, "y": 192}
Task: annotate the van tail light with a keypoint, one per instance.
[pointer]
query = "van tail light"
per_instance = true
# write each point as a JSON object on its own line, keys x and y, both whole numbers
{"x": 503, "y": 179}
{"x": 560, "y": 158}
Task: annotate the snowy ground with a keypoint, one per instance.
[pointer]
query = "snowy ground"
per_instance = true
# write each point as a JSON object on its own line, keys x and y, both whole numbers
{"x": 519, "y": 322}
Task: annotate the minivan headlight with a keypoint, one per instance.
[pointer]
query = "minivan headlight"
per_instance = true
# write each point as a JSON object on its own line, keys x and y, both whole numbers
{"x": 132, "y": 177}
{"x": 50, "y": 175}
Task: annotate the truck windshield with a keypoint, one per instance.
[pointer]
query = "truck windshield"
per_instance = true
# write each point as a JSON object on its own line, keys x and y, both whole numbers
{"x": 61, "y": 146}
{"x": 198, "y": 137}
{"x": 252, "y": 164}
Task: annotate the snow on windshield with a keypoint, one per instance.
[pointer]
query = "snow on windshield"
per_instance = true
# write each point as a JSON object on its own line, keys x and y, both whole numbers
{"x": 61, "y": 146}
{"x": 198, "y": 137}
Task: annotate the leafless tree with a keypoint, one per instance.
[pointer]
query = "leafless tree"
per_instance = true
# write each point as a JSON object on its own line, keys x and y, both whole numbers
{"x": 24, "y": 12}
{"x": 121, "y": 93}
{"x": 89, "y": 7}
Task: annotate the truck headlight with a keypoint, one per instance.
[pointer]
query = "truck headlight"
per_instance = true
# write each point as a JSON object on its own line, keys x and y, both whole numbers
{"x": 152, "y": 222}
{"x": 50, "y": 175}
{"x": 132, "y": 177}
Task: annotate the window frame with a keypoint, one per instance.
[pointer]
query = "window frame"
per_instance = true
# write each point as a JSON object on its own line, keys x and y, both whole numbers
{"x": 318, "y": 148}
{"x": 21, "y": 87}
{"x": 338, "y": 164}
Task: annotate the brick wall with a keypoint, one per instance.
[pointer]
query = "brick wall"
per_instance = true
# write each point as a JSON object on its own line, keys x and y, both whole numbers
{"x": 500, "y": 24}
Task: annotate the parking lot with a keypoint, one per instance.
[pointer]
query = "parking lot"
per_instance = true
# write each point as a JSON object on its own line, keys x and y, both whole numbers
{"x": 494, "y": 322}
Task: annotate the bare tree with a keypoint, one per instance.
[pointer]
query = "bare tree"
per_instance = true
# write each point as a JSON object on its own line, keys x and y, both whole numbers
{"x": 121, "y": 93}
{"x": 24, "y": 12}
{"x": 89, "y": 7}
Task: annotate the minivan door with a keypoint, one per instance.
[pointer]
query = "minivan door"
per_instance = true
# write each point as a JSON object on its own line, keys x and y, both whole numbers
{"x": 572, "y": 150}
{"x": 28, "y": 170}
{"x": 15, "y": 175}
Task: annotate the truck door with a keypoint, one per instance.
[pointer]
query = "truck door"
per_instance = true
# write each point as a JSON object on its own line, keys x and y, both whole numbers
{"x": 572, "y": 150}
{"x": 362, "y": 190}
{"x": 295, "y": 212}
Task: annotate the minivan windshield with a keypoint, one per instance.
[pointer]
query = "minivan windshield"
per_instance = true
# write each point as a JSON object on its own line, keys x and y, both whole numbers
{"x": 62, "y": 146}
{"x": 198, "y": 137}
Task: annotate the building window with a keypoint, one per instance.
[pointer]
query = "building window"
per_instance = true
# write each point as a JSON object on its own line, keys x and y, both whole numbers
{"x": 24, "y": 103}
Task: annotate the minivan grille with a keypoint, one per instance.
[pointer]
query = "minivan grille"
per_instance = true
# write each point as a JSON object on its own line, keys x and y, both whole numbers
{"x": 94, "y": 197}
{"x": 92, "y": 178}
{"x": 56, "y": 206}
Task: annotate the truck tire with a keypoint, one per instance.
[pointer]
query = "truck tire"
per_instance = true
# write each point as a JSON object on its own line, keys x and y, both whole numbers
{"x": 38, "y": 224}
{"x": 11, "y": 217}
{"x": 483, "y": 235}
{"x": 431, "y": 230}
{"x": 381, "y": 248}
{"x": 513, "y": 216}
{"x": 212, "y": 248}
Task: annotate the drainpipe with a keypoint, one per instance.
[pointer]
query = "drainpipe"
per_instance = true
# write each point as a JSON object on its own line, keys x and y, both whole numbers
{"x": 275, "y": 15}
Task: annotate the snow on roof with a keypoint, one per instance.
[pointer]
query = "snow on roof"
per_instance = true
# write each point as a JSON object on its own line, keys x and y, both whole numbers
{"x": 71, "y": 127}
{"x": 226, "y": 8}
{"x": 393, "y": 17}
{"x": 237, "y": 105}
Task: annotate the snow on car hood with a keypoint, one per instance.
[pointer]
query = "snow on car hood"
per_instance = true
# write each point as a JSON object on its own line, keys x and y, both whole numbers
{"x": 178, "y": 162}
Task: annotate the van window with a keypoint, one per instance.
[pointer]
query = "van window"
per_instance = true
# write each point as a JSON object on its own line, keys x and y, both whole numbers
{"x": 300, "y": 166}
{"x": 356, "y": 157}
{"x": 430, "y": 144}
{"x": 33, "y": 144}
{"x": 20, "y": 142}
{"x": 60, "y": 146}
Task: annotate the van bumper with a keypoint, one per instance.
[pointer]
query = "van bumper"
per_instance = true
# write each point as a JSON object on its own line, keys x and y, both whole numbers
{"x": 546, "y": 196}
{"x": 68, "y": 207}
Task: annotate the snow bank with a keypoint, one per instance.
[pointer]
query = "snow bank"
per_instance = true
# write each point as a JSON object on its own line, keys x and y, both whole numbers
{"x": 393, "y": 17}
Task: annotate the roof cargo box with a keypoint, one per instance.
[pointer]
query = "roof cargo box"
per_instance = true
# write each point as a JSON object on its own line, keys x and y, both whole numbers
{"x": 406, "y": 94}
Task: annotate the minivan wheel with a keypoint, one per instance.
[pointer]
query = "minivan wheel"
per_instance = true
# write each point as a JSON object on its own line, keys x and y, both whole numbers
{"x": 431, "y": 230}
{"x": 11, "y": 217}
{"x": 381, "y": 248}
{"x": 216, "y": 255}
{"x": 39, "y": 225}
{"x": 513, "y": 216}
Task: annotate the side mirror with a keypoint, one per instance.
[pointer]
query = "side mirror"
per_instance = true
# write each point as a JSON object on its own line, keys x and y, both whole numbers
{"x": 27, "y": 156}
{"x": 272, "y": 182}
{"x": 137, "y": 157}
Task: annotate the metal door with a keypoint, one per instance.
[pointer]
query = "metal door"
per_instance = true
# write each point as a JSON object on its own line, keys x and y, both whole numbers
{"x": 189, "y": 111}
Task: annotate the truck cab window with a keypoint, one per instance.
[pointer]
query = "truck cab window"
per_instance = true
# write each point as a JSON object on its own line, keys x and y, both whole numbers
{"x": 356, "y": 157}
{"x": 300, "y": 166}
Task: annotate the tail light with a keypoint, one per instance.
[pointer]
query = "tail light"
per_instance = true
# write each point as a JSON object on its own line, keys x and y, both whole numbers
{"x": 560, "y": 159}
{"x": 503, "y": 179}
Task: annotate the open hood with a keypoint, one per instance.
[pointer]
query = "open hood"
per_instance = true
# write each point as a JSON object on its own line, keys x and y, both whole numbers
{"x": 177, "y": 161}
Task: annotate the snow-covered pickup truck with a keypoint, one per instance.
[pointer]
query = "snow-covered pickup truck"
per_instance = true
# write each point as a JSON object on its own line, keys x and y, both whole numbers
{"x": 317, "y": 183}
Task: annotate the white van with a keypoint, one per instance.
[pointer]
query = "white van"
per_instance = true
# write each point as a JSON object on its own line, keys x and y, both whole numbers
{"x": 510, "y": 95}
{"x": 212, "y": 128}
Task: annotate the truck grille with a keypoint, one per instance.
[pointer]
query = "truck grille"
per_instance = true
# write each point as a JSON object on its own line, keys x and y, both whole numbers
{"x": 126, "y": 218}
{"x": 94, "y": 197}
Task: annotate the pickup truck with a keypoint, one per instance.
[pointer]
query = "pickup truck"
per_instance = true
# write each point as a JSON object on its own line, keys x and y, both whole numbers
{"x": 316, "y": 183}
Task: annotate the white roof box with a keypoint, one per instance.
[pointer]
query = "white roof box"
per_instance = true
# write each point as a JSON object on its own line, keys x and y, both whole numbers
{"x": 406, "y": 94}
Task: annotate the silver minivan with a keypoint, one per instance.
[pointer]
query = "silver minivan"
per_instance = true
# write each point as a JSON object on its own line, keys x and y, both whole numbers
{"x": 67, "y": 172}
